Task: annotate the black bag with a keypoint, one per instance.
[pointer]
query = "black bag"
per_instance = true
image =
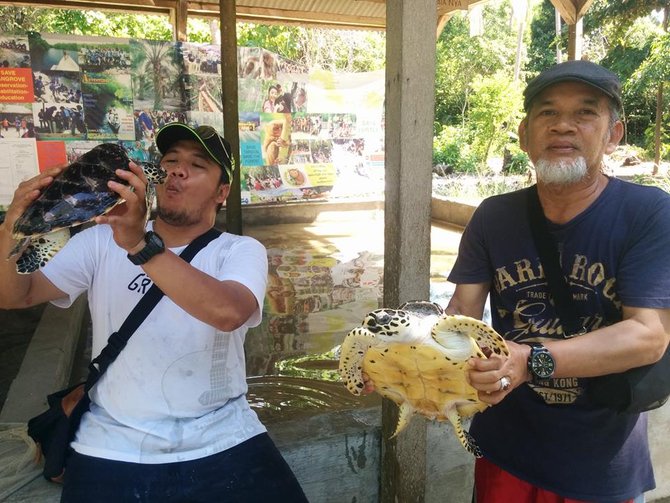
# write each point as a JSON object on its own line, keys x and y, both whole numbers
{"x": 54, "y": 429}
{"x": 636, "y": 390}
{"x": 633, "y": 391}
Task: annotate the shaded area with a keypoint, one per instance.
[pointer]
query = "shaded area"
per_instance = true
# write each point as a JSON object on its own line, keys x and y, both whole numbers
{"x": 16, "y": 330}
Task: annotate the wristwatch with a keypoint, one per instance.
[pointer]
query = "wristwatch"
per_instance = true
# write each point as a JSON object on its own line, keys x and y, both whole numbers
{"x": 154, "y": 245}
{"x": 541, "y": 364}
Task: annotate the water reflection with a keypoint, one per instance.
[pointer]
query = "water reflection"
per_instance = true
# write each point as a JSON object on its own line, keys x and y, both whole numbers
{"x": 318, "y": 289}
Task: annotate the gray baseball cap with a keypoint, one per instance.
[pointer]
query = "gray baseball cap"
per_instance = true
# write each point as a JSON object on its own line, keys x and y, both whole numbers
{"x": 575, "y": 71}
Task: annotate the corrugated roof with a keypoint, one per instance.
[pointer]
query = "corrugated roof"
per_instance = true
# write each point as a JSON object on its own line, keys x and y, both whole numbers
{"x": 336, "y": 13}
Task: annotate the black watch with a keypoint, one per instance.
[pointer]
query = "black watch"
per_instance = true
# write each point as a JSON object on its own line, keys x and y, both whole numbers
{"x": 154, "y": 245}
{"x": 541, "y": 364}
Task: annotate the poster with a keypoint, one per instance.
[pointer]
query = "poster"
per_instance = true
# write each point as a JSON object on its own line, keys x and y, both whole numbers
{"x": 304, "y": 133}
{"x": 18, "y": 163}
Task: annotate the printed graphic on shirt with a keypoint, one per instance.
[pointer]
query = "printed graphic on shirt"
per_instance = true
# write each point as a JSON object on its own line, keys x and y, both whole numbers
{"x": 140, "y": 283}
{"x": 533, "y": 318}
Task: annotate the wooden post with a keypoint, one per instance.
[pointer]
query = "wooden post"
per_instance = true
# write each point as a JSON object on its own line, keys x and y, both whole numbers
{"x": 230, "y": 110}
{"x": 409, "y": 109}
{"x": 575, "y": 40}
{"x": 572, "y": 12}
{"x": 181, "y": 20}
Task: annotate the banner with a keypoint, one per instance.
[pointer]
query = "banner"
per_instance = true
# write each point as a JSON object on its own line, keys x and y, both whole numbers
{"x": 304, "y": 134}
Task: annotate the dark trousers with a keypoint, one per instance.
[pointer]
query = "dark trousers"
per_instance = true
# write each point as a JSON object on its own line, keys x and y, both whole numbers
{"x": 253, "y": 471}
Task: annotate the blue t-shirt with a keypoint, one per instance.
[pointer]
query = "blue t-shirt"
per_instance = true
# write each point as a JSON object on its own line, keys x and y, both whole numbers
{"x": 614, "y": 253}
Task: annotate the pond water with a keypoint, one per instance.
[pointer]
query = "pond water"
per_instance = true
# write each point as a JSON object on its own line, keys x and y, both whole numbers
{"x": 323, "y": 279}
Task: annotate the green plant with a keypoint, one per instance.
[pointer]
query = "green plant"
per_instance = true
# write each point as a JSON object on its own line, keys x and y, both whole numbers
{"x": 662, "y": 182}
{"x": 515, "y": 160}
{"x": 494, "y": 112}
{"x": 451, "y": 147}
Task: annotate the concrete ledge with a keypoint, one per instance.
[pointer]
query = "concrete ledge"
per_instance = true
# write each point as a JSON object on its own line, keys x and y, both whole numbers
{"x": 47, "y": 364}
{"x": 451, "y": 211}
{"x": 447, "y": 210}
{"x": 297, "y": 212}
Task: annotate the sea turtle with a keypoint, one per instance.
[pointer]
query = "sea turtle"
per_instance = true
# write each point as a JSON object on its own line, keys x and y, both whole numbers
{"x": 77, "y": 195}
{"x": 417, "y": 355}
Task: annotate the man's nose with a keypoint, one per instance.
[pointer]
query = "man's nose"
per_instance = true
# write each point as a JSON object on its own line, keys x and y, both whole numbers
{"x": 564, "y": 122}
{"x": 177, "y": 170}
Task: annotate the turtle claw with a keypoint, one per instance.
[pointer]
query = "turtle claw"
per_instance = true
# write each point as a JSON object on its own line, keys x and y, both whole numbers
{"x": 41, "y": 250}
{"x": 471, "y": 446}
{"x": 404, "y": 415}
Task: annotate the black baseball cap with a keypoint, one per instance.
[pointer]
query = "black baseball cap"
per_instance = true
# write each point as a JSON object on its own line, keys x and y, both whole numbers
{"x": 575, "y": 71}
{"x": 216, "y": 146}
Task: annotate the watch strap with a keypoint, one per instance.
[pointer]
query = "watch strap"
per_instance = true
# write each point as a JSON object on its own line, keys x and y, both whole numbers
{"x": 149, "y": 250}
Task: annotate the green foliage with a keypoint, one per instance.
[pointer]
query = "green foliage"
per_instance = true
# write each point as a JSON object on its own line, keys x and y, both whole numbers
{"x": 494, "y": 113}
{"x": 542, "y": 48}
{"x": 478, "y": 187}
{"x": 662, "y": 182}
{"x": 462, "y": 60}
{"x": 451, "y": 148}
{"x": 649, "y": 142}
{"x": 327, "y": 49}
{"x": 516, "y": 161}
{"x": 637, "y": 51}
{"x": 21, "y": 20}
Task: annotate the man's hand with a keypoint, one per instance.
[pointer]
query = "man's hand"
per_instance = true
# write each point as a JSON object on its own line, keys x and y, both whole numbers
{"x": 369, "y": 384}
{"x": 25, "y": 194}
{"x": 128, "y": 220}
{"x": 485, "y": 374}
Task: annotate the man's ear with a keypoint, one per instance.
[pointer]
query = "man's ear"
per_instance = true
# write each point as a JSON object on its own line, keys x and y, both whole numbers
{"x": 616, "y": 133}
{"x": 523, "y": 135}
{"x": 222, "y": 194}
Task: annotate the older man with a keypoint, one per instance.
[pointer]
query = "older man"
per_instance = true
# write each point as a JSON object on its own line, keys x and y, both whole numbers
{"x": 543, "y": 440}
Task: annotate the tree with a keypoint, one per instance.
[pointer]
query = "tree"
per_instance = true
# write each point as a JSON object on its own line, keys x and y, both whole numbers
{"x": 624, "y": 20}
{"x": 327, "y": 49}
{"x": 463, "y": 60}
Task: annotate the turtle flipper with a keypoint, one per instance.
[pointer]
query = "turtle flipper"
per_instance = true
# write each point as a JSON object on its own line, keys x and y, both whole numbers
{"x": 353, "y": 349}
{"x": 404, "y": 415}
{"x": 483, "y": 334}
{"x": 20, "y": 244}
{"x": 41, "y": 250}
{"x": 149, "y": 198}
{"x": 464, "y": 437}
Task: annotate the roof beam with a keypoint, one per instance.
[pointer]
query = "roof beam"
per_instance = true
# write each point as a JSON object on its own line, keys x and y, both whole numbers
{"x": 572, "y": 10}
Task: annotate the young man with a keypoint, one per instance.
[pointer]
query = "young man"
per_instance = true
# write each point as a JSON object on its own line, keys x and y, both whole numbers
{"x": 169, "y": 420}
{"x": 543, "y": 440}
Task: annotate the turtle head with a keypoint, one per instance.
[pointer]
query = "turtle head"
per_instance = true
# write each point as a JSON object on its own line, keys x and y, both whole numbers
{"x": 387, "y": 324}
{"x": 154, "y": 172}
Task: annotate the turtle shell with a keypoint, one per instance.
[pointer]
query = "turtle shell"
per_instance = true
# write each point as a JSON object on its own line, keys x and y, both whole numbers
{"x": 77, "y": 195}
{"x": 417, "y": 356}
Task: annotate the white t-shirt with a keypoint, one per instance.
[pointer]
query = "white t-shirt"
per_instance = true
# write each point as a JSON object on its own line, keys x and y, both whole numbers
{"x": 177, "y": 390}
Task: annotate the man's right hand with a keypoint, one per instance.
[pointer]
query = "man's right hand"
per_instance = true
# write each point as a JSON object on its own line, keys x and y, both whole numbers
{"x": 25, "y": 194}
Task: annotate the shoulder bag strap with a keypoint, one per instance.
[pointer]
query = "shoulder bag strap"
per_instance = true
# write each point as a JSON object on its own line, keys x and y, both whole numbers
{"x": 118, "y": 340}
{"x": 548, "y": 251}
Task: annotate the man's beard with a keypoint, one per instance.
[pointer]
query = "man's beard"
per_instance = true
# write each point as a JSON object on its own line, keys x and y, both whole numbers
{"x": 175, "y": 217}
{"x": 561, "y": 172}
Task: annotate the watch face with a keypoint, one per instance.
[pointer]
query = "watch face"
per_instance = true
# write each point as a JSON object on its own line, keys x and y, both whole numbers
{"x": 542, "y": 364}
